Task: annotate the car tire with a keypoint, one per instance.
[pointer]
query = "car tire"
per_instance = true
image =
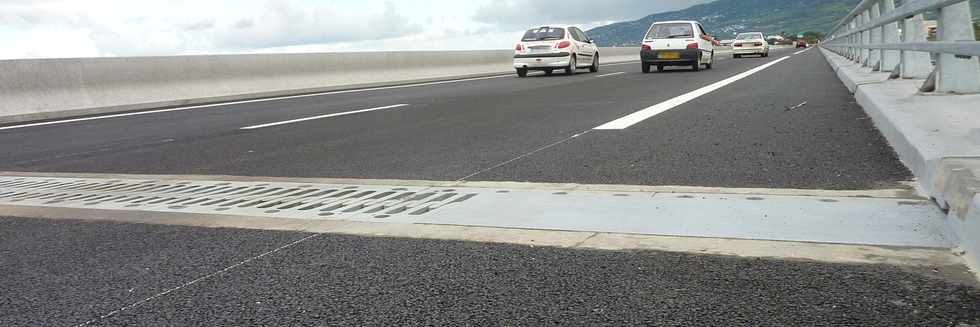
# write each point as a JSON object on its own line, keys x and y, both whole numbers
{"x": 645, "y": 67}
{"x": 595, "y": 64}
{"x": 572, "y": 66}
{"x": 737, "y": 56}
{"x": 660, "y": 68}
{"x": 522, "y": 72}
{"x": 548, "y": 72}
{"x": 696, "y": 66}
{"x": 712, "y": 62}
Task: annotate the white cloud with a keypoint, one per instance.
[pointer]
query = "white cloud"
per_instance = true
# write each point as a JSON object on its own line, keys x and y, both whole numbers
{"x": 287, "y": 23}
{"x": 525, "y": 13}
{"x": 73, "y": 28}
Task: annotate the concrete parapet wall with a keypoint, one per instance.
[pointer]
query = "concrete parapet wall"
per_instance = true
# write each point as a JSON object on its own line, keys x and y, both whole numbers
{"x": 36, "y": 89}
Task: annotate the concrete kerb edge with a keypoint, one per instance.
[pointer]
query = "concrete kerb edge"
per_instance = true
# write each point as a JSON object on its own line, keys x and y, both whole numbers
{"x": 851, "y": 73}
{"x": 942, "y": 175}
{"x": 969, "y": 246}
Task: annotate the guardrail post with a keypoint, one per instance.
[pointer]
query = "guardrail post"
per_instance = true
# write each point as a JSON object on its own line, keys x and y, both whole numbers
{"x": 954, "y": 73}
{"x": 915, "y": 64}
{"x": 855, "y": 39}
{"x": 874, "y": 59}
{"x": 865, "y": 39}
{"x": 889, "y": 58}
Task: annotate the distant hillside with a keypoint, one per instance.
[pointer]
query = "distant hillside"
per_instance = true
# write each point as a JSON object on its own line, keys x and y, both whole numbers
{"x": 723, "y": 18}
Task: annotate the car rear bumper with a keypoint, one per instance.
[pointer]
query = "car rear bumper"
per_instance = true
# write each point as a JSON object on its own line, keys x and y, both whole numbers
{"x": 748, "y": 50}
{"x": 542, "y": 61}
{"x": 686, "y": 56}
{"x": 541, "y": 55}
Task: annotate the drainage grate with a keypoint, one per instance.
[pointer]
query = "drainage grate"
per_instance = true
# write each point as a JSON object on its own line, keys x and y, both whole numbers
{"x": 847, "y": 217}
{"x": 290, "y": 200}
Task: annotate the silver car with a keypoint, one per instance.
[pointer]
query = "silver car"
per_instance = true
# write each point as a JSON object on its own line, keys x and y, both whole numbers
{"x": 750, "y": 44}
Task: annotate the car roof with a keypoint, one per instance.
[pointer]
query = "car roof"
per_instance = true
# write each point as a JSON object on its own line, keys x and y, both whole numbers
{"x": 551, "y": 26}
{"x": 751, "y": 33}
{"x": 677, "y": 21}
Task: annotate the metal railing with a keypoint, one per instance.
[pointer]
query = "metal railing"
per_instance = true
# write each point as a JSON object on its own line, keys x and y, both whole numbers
{"x": 887, "y": 38}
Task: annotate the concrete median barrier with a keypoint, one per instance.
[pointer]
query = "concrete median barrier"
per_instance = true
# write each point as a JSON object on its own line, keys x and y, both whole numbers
{"x": 36, "y": 89}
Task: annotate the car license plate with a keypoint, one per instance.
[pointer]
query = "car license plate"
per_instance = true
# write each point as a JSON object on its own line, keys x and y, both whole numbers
{"x": 669, "y": 55}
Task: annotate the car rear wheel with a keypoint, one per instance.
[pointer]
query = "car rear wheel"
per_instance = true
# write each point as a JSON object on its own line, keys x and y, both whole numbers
{"x": 737, "y": 56}
{"x": 548, "y": 72}
{"x": 712, "y": 62}
{"x": 645, "y": 67}
{"x": 696, "y": 66}
{"x": 522, "y": 72}
{"x": 660, "y": 68}
{"x": 572, "y": 66}
{"x": 595, "y": 64}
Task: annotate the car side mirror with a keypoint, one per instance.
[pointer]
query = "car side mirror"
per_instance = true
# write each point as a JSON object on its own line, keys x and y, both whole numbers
{"x": 592, "y": 41}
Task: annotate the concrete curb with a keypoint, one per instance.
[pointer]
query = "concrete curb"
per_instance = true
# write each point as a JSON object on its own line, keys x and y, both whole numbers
{"x": 935, "y": 135}
{"x": 39, "y": 89}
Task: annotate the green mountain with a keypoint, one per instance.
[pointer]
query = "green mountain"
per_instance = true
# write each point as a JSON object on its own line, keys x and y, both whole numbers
{"x": 723, "y": 18}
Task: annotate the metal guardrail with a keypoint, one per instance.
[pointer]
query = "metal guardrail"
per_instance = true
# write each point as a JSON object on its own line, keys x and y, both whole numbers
{"x": 887, "y": 38}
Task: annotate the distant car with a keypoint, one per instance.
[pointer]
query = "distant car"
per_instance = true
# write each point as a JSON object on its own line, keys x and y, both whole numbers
{"x": 801, "y": 43}
{"x": 750, "y": 44}
{"x": 677, "y": 43}
{"x": 727, "y": 43}
{"x": 550, "y": 48}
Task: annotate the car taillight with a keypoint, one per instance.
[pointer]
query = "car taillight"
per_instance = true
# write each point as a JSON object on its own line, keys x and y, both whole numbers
{"x": 692, "y": 46}
{"x": 563, "y": 44}
{"x": 520, "y": 47}
{"x": 758, "y": 44}
{"x": 646, "y": 47}
{"x": 737, "y": 45}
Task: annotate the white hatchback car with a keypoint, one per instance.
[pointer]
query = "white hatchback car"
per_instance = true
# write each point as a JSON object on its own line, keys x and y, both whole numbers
{"x": 677, "y": 43}
{"x": 750, "y": 44}
{"x": 551, "y": 48}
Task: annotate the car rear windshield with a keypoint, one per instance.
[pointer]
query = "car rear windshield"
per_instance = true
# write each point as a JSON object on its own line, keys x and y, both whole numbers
{"x": 749, "y": 36}
{"x": 544, "y": 33}
{"x": 671, "y": 31}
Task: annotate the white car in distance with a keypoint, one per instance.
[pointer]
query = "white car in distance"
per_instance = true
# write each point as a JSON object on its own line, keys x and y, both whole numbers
{"x": 551, "y": 48}
{"x": 750, "y": 44}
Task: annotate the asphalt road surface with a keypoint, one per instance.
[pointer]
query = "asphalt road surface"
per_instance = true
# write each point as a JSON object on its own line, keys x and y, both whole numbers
{"x": 791, "y": 125}
{"x": 61, "y": 273}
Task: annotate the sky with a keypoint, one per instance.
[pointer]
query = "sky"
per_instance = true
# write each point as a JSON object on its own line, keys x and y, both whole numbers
{"x": 108, "y": 28}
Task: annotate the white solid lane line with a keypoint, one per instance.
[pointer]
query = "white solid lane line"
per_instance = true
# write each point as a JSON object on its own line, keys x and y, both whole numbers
{"x": 324, "y": 116}
{"x": 799, "y": 52}
{"x": 636, "y": 117}
{"x": 611, "y": 74}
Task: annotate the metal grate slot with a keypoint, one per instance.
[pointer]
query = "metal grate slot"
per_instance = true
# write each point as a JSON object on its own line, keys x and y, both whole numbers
{"x": 309, "y": 201}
